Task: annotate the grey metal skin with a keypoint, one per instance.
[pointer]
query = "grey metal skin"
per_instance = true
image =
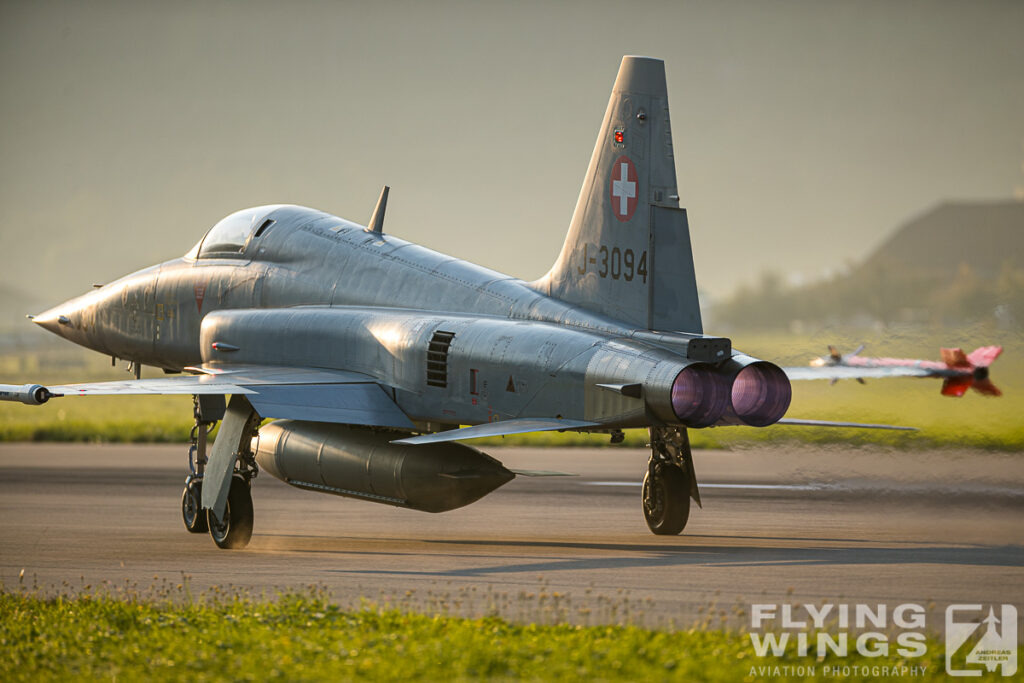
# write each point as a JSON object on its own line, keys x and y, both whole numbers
{"x": 610, "y": 338}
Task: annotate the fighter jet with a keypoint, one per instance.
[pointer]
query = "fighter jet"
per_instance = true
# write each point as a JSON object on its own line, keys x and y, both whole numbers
{"x": 959, "y": 371}
{"x": 375, "y": 356}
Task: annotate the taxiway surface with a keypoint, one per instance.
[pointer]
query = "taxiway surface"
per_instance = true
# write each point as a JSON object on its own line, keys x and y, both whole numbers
{"x": 840, "y": 525}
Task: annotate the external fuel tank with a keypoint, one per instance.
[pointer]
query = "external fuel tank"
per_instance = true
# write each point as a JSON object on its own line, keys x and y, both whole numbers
{"x": 363, "y": 463}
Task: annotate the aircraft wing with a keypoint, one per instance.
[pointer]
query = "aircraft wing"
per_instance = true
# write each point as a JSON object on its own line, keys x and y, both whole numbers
{"x": 213, "y": 379}
{"x": 849, "y": 372}
{"x": 280, "y": 392}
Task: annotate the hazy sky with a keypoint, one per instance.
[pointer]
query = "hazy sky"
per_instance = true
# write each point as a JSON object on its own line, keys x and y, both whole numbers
{"x": 804, "y": 131}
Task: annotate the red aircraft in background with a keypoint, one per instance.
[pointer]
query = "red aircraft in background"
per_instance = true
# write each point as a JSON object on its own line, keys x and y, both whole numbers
{"x": 959, "y": 371}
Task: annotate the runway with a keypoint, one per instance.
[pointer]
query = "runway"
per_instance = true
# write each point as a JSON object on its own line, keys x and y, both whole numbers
{"x": 806, "y": 526}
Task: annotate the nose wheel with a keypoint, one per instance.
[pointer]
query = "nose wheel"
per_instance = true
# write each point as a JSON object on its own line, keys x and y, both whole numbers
{"x": 235, "y": 529}
{"x": 192, "y": 513}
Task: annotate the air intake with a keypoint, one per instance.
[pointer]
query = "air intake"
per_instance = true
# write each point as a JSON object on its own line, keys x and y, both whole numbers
{"x": 437, "y": 359}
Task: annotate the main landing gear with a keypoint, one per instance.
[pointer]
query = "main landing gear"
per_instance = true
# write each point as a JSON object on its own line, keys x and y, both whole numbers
{"x": 670, "y": 481}
{"x": 234, "y": 528}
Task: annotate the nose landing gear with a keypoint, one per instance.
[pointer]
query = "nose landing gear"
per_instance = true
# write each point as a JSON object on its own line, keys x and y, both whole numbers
{"x": 670, "y": 482}
{"x": 206, "y": 410}
{"x": 235, "y": 529}
{"x": 191, "y": 509}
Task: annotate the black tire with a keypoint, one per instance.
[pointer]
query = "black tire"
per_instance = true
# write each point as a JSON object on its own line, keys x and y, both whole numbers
{"x": 236, "y": 529}
{"x": 192, "y": 513}
{"x": 669, "y": 494}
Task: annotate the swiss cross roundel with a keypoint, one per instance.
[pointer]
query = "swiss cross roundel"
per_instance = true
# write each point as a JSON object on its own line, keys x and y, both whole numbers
{"x": 623, "y": 188}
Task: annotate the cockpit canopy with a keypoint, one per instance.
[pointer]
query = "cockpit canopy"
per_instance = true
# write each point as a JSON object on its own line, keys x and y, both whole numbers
{"x": 229, "y": 237}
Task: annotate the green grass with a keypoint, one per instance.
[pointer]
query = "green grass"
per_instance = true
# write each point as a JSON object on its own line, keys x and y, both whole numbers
{"x": 305, "y": 637}
{"x": 973, "y": 421}
{"x": 136, "y": 419}
{"x": 151, "y": 419}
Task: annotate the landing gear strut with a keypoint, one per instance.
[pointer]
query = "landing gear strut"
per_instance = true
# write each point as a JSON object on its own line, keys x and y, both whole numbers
{"x": 670, "y": 481}
{"x": 234, "y": 529}
{"x": 226, "y": 498}
{"x": 206, "y": 411}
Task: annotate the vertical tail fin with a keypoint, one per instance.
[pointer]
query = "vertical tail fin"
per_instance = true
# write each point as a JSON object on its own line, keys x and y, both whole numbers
{"x": 627, "y": 254}
{"x": 984, "y": 356}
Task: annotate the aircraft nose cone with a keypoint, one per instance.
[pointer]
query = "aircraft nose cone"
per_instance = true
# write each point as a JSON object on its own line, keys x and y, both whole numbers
{"x": 67, "y": 319}
{"x": 53, "y": 320}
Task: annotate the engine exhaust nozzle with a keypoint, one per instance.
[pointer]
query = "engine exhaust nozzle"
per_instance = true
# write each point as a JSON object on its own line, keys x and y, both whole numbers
{"x": 699, "y": 395}
{"x": 760, "y": 394}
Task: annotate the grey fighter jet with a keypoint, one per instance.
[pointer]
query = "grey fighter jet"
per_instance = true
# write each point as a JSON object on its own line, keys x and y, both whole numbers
{"x": 375, "y": 356}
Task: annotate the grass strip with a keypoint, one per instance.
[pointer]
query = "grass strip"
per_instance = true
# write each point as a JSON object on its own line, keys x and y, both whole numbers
{"x": 303, "y": 636}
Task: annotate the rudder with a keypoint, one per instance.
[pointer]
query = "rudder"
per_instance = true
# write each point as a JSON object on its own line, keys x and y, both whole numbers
{"x": 627, "y": 254}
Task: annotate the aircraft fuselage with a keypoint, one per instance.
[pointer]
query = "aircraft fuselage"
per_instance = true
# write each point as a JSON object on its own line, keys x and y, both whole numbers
{"x": 315, "y": 290}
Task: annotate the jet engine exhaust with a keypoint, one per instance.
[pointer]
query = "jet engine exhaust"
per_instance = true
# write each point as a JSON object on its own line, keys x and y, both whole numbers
{"x": 360, "y": 463}
{"x": 699, "y": 396}
{"x": 760, "y": 394}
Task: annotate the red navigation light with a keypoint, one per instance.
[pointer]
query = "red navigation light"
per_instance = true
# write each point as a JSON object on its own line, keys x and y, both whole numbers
{"x": 620, "y": 136}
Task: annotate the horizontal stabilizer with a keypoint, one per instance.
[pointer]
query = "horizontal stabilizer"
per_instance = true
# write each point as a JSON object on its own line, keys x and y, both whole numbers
{"x": 852, "y": 425}
{"x": 986, "y": 387}
{"x": 499, "y": 429}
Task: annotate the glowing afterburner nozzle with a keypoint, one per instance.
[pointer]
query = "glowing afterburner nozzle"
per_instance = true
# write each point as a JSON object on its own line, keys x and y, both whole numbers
{"x": 761, "y": 394}
{"x": 699, "y": 396}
